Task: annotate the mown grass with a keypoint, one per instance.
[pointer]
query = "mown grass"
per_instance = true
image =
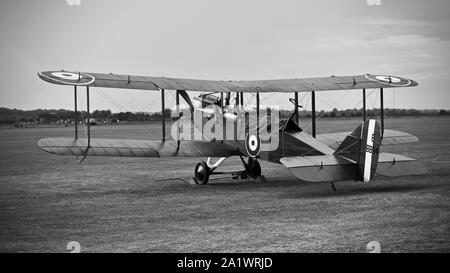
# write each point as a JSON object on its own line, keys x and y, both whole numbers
{"x": 114, "y": 205}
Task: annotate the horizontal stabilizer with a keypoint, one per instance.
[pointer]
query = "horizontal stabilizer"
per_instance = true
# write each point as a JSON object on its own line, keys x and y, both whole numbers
{"x": 320, "y": 168}
{"x": 324, "y": 168}
{"x": 136, "y": 148}
{"x": 390, "y": 137}
{"x": 394, "y": 165}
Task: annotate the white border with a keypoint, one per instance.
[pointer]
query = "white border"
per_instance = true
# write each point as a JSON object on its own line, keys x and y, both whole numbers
{"x": 67, "y": 83}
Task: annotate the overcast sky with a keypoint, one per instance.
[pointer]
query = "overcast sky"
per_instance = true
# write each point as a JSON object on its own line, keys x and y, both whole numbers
{"x": 224, "y": 40}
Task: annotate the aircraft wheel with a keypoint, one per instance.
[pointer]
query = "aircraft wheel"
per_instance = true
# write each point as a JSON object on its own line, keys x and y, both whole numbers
{"x": 254, "y": 168}
{"x": 201, "y": 173}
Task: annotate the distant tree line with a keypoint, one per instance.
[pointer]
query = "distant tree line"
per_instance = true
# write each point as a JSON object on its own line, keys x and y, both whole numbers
{"x": 44, "y": 116}
{"x": 388, "y": 112}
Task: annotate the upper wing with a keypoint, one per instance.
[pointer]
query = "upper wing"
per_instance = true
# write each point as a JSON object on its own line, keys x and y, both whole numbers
{"x": 367, "y": 81}
{"x": 137, "y": 148}
{"x": 390, "y": 137}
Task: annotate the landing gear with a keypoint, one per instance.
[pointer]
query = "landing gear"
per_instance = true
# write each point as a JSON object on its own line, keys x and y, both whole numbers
{"x": 201, "y": 173}
{"x": 204, "y": 169}
{"x": 253, "y": 167}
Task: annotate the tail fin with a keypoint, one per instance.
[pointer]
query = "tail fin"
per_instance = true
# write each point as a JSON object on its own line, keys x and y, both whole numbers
{"x": 363, "y": 147}
{"x": 357, "y": 157}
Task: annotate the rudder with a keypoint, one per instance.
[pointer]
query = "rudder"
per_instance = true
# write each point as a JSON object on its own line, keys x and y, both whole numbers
{"x": 363, "y": 147}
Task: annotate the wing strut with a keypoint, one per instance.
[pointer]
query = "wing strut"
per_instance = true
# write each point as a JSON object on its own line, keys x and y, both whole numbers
{"x": 364, "y": 105}
{"x": 177, "y": 98}
{"x": 186, "y": 98}
{"x": 313, "y": 113}
{"x": 88, "y": 126}
{"x": 257, "y": 113}
{"x": 296, "y": 107}
{"x": 76, "y": 111}
{"x": 382, "y": 112}
{"x": 163, "y": 117}
{"x": 88, "y": 119}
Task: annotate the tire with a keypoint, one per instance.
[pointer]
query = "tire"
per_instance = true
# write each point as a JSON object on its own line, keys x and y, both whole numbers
{"x": 201, "y": 173}
{"x": 254, "y": 168}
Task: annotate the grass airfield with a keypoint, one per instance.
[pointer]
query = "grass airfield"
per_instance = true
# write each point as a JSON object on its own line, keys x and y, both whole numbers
{"x": 118, "y": 204}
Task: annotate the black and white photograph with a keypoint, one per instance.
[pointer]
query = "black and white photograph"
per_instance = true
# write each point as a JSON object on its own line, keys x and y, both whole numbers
{"x": 214, "y": 127}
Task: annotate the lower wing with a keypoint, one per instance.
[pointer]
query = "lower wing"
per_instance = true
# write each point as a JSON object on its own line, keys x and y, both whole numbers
{"x": 137, "y": 148}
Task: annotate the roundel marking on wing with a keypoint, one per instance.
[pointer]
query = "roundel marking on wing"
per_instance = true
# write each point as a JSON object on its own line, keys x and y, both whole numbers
{"x": 69, "y": 78}
{"x": 389, "y": 80}
{"x": 253, "y": 145}
{"x": 67, "y": 75}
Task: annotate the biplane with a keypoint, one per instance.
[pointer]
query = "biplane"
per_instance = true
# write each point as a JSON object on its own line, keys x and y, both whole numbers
{"x": 311, "y": 157}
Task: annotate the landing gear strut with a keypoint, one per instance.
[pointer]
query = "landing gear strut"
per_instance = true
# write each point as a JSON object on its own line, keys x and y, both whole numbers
{"x": 204, "y": 169}
{"x": 253, "y": 168}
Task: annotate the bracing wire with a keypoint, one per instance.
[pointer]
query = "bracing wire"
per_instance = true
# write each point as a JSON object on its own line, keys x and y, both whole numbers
{"x": 84, "y": 124}
{"x": 374, "y": 99}
{"x": 150, "y": 104}
{"x": 322, "y": 98}
{"x": 268, "y": 97}
{"x": 308, "y": 100}
{"x": 323, "y": 113}
{"x": 109, "y": 99}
